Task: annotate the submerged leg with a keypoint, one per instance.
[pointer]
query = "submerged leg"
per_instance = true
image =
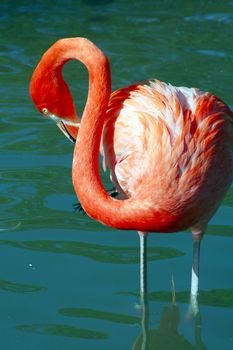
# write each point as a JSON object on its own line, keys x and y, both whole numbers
{"x": 143, "y": 264}
{"x": 195, "y": 276}
{"x": 143, "y": 291}
{"x": 195, "y": 268}
{"x": 197, "y": 236}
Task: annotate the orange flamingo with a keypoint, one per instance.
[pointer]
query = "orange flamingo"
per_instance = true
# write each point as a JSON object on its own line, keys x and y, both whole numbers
{"x": 169, "y": 149}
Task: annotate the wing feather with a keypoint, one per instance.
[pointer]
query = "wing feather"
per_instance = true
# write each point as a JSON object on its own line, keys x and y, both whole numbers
{"x": 158, "y": 126}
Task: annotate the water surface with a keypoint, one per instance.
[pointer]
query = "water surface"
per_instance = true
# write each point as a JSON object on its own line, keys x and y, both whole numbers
{"x": 66, "y": 281}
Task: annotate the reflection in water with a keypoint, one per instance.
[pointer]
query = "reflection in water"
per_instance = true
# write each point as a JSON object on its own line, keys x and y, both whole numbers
{"x": 167, "y": 336}
{"x": 97, "y": 252}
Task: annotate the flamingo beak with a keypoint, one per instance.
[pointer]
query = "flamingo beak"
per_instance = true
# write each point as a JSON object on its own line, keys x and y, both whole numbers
{"x": 62, "y": 127}
{"x": 61, "y": 123}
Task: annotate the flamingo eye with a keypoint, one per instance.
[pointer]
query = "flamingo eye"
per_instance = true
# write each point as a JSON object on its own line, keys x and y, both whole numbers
{"x": 45, "y": 111}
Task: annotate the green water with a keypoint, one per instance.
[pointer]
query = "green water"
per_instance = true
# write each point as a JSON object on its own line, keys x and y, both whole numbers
{"x": 66, "y": 282}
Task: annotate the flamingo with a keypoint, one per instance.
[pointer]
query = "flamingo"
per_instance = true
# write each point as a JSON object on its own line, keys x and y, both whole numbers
{"x": 168, "y": 148}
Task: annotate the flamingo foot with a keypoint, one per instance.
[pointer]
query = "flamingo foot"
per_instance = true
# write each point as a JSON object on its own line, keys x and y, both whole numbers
{"x": 78, "y": 207}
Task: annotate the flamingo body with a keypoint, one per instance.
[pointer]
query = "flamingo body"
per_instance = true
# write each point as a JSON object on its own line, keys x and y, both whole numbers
{"x": 172, "y": 146}
{"x": 169, "y": 149}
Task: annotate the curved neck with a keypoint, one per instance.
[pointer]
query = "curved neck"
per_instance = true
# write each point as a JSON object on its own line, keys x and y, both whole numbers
{"x": 123, "y": 214}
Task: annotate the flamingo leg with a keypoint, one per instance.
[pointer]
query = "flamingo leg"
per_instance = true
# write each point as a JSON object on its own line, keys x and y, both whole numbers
{"x": 143, "y": 264}
{"x": 143, "y": 290}
{"x": 195, "y": 275}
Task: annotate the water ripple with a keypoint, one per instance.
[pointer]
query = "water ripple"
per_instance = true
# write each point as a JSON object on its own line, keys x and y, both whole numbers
{"x": 225, "y": 18}
{"x": 214, "y": 53}
{"x": 96, "y": 252}
{"x": 6, "y": 69}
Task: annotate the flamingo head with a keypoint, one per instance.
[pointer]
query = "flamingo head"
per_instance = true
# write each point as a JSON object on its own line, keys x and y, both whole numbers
{"x": 53, "y": 99}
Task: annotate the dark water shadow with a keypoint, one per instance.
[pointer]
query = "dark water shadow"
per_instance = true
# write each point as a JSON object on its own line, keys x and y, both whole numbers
{"x": 213, "y": 297}
{"x": 96, "y": 252}
{"x": 62, "y": 331}
{"x": 228, "y": 200}
{"x": 100, "y": 315}
{"x": 220, "y": 230}
{"x": 16, "y": 287}
{"x": 97, "y": 2}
